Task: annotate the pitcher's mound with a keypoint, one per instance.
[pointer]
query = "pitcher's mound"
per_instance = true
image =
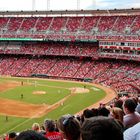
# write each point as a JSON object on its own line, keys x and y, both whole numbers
{"x": 39, "y": 92}
{"x": 79, "y": 90}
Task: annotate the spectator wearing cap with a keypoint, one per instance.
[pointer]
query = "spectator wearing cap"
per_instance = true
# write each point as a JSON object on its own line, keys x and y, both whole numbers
{"x": 131, "y": 117}
{"x": 70, "y": 127}
{"x": 51, "y": 134}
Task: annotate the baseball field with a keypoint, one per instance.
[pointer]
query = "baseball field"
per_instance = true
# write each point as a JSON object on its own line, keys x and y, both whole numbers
{"x": 24, "y": 101}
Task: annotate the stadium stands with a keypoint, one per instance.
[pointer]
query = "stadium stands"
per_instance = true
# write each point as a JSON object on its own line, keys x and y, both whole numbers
{"x": 73, "y": 47}
{"x": 116, "y": 27}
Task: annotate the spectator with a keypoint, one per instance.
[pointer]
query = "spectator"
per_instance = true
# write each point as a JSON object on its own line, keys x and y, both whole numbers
{"x": 118, "y": 103}
{"x": 138, "y": 106}
{"x": 131, "y": 117}
{"x": 95, "y": 111}
{"x": 70, "y": 127}
{"x": 88, "y": 113}
{"x": 135, "y": 99}
{"x": 36, "y": 127}
{"x": 117, "y": 114}
{"x": 101, "y": 128}
{"x": 12, "y": 136}
{"x": 132, "y": 133}
{"x": 30, "y": 135}
{"x": 51, "y": 134}
{"x": 103, "y": 111}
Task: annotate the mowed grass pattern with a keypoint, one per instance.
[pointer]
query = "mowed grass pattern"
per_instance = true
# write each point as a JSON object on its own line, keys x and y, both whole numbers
{"x": 55, "y": 91}
{"x": 51, "y": 96}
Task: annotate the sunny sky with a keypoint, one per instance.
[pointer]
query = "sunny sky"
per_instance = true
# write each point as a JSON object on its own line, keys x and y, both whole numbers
{"x": 67, "y": 4}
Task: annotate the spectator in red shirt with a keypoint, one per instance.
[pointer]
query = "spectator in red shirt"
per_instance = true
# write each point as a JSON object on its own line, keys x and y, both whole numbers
{"x": 51, "y": 134}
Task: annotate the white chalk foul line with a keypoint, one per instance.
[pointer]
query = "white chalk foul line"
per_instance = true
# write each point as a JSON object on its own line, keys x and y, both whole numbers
{"x": 65, "y": 107}
{"x": 20, "y": 124}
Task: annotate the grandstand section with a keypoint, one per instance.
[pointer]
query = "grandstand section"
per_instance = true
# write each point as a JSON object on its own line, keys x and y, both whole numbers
{"x": 100, "y": 45}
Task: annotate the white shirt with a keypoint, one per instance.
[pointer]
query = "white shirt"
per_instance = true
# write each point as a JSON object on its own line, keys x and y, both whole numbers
{"x": 132, "y": 133}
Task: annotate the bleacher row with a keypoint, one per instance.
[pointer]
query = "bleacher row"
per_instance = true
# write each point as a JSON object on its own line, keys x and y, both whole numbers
{"x": 105, "y": 27}
{"x": 54, "y": 48}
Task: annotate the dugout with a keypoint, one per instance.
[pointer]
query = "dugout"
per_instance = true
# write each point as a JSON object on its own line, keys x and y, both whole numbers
{"x": 87, "y": 79}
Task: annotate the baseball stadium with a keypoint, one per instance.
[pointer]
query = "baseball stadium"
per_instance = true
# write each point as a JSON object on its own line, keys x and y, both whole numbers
{"x": 57, "y": 62}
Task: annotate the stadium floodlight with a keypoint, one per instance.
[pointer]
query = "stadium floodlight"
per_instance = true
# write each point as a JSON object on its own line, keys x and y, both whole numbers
{"x": 78, "y": 4}
{"x": 48, "y": 5}
{"x": 33, "y": 5}
{"x": 94, "y": 3}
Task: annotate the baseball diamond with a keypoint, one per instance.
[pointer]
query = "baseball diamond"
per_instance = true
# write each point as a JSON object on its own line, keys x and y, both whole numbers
{"x": 31, "y": 107}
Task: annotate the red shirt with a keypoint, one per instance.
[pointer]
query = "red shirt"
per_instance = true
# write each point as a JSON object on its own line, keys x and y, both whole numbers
{"x": 54, "y": 135}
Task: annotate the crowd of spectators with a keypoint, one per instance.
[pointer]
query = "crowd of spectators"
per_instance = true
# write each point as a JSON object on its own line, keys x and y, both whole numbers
{"x": 98, "y": 27}
{"x": 123, "y": 76}
{"x": 51, "y": 48}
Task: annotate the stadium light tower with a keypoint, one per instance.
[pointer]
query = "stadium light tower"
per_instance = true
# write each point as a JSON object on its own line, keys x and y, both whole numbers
{"x": 33, "y": 5}
{"x": 78, "y": 4}
{"x": 48, "y": 5}
{"x": 94, "y": 3}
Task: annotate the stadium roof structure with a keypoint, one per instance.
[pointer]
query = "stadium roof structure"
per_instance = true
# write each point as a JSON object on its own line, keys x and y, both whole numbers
{"x": 98, "y": 12}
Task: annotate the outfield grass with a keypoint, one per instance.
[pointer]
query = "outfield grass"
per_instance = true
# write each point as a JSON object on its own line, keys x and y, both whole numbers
{"x": 55, "y": 90}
